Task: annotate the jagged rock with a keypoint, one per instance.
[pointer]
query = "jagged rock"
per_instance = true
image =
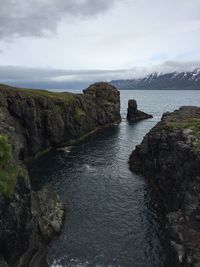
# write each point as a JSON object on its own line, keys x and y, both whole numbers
{"x": 169, "y": 156}
{"x": 49, "y": 211}
{"x": 133, "y": 114}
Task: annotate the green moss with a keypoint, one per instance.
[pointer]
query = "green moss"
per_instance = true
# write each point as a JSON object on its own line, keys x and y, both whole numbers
{"x": 5, "y": 151}
{"x": 8, "y": 180}
{"x": 64, "y": 96}
{"x": 79, "y": 113}
{"x": 8, "y": 172}
{"x": 193, "y": 124}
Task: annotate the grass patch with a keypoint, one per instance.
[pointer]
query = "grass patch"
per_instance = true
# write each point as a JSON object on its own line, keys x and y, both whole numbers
{"x": 8, "y": 180}
{"x": 79, "y": 113}
{"x": 64, "y": 96}
{"x": 8, "y": 172}
{"x": 193, "y": 124}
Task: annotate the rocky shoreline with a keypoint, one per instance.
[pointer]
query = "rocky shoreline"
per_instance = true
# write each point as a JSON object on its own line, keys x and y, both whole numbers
{"x": 35, "y": 121}
{"x": 169, "y": 157}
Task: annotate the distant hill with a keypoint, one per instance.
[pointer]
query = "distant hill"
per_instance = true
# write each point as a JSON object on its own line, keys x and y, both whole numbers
{"x": 162, "y": 81}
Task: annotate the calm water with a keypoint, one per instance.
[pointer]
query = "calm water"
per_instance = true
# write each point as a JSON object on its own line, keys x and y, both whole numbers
{"x": 113, "y": 218}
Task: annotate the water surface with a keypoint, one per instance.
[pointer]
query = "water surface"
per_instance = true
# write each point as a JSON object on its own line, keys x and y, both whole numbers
{"x": 113, "y": 217}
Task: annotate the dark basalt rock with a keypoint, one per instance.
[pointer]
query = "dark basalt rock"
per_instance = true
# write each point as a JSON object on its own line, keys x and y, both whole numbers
{"x": 133, "y": 114}
{"x": 169, "y": 157}
{"x": 36, "y": 121}
{"x": 20, "y": 241}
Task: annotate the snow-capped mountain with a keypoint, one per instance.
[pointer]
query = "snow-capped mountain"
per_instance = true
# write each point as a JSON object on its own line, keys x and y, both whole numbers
{"x": 163, "y": 81}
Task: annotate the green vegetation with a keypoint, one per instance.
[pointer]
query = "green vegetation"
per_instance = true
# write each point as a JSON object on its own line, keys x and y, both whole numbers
{"x": 192, "y": 124}
{"x": 64, "y": 96}
{"x": 79, "y": 113}
{"x": 8, "y": 172}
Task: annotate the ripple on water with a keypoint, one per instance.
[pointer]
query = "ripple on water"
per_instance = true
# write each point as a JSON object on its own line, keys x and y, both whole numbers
{"x": 113, "y": 218}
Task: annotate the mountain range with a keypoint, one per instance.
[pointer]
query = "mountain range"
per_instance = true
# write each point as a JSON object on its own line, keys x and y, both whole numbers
{"x": 162, "y": 81}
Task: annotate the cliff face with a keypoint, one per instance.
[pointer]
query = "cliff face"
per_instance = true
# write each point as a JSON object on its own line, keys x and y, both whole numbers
{"x": 169, "y": 157}
{"x": 35, "y": 121}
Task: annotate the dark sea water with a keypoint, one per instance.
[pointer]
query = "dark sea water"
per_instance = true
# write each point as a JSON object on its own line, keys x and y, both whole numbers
{"x": 113, "y": 217}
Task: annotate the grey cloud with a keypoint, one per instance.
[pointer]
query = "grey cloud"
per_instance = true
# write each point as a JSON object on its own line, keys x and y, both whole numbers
{"x": 60, "y": 78}
{"x": 16, "y": 74}
{"x": 179, "y": 66}
{"x": 40, "y": 17}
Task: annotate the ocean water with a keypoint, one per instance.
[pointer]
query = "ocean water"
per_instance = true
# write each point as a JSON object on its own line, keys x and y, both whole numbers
{"x": 113, "y": 218}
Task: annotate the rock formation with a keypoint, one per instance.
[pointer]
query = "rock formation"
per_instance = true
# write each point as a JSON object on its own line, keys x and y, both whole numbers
{"x": 133, "y": 114}
{"x": 169, "y": 157}
{"x": 35, "y": 121}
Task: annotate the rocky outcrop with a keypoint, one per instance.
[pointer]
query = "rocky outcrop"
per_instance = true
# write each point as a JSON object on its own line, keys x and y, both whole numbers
{"x": 133, "y": 114}
{"x": 35, "y": 121}
{"x": 49, "y": 211}
{"x": 169, "y": 157}
{"x": 27, "y": 221}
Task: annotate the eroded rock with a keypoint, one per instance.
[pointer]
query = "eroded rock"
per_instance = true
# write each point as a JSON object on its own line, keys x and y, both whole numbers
{"x": 133, "y": 114}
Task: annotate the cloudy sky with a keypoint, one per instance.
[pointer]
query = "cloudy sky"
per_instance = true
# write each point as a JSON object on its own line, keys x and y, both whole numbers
{"x": 74, "y": 42}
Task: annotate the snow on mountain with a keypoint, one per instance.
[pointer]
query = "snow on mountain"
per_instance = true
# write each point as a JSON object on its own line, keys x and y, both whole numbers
{"x": 163, "y": 81}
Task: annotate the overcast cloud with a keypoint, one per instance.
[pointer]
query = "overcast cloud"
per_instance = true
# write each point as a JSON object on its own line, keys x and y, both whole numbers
{"x": 69, "y": 41}
{"x": 39, "y": 17}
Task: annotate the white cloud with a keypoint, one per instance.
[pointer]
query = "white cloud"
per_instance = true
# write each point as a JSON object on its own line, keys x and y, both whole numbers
{"x": 98, "y": 34}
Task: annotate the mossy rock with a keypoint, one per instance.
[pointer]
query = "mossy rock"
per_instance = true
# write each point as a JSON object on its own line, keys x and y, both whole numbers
{"x": 8, "y": 171}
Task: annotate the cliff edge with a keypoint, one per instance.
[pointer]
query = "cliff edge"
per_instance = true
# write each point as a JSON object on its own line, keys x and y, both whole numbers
{"x": 32, "y": 122}
{"x": 169, "y": 157}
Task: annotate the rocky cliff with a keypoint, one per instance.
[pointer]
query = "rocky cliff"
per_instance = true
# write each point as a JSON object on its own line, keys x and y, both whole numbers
{"x": 169, "y": 157}
{"x": 34, "y": 121}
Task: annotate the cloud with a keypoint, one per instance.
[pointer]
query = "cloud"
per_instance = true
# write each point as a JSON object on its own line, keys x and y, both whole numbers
{"x": 60, "y": 78}
{"x": 41, "y": 17}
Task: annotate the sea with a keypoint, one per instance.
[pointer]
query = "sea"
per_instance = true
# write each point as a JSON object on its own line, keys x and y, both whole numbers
{"x": 113, "y": 217}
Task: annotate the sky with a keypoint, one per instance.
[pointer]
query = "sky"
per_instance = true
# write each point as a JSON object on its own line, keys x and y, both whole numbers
{"x": 71, "y": 43}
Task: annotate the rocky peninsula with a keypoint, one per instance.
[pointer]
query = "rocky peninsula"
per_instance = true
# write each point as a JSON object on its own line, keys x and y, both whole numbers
{"x": 32, "y": 122}
{"x": 133, "y": 114}
{"x": 169, "y": 157}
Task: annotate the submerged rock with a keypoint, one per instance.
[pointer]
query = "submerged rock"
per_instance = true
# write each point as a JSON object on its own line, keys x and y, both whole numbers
{"x": 169, "y": 156}
{"x": 133, "y": 114}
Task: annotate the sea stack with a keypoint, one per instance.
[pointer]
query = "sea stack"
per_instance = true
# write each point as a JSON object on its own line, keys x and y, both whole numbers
{"x": 133, "y": 114}
{"x": 169, "y": 157}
